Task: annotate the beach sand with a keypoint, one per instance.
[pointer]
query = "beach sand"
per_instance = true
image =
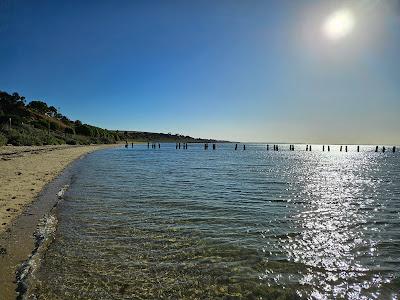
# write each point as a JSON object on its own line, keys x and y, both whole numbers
{"x": 25, "y": 170}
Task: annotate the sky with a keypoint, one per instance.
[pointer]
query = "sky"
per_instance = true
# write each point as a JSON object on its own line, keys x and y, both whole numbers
{"x": 261, "y": 71}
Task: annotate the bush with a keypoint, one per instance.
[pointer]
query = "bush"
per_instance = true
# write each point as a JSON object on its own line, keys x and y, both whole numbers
{"x": 69, "y": 130}
{"x": 81, "y": 140}
{"x": 41, "y": 124}
{"x": 26, "y": 135}
{"x": 17, "y": 138}
{"x": 71, "y": 142}
{"x": 107, "y": 140}
{"x": 3, "y": 139}
{"x": 84, "y": 130}
{"x": 50, "y": 140}
{"x": 55, "y": 126}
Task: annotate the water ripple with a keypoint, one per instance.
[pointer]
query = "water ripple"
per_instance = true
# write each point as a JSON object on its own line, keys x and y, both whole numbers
{"x": 256, "y": 224}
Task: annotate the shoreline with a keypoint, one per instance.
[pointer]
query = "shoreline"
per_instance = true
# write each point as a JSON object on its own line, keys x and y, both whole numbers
{"x": 35, "y": 175}
{"x": 25, "y": 170}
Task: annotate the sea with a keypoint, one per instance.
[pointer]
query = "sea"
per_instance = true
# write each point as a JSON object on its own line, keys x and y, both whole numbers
{"x": 167, "y": 223}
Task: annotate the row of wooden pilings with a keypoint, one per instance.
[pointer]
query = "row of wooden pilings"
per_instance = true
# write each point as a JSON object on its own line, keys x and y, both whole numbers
{"x": 153, "y": 145}
{"x": 309, "y": 148}
{"x": 275, "y": 147}
{"x": 214, "y": 147}
{"x": 345, "y": 148}
{"x": 178, "y": 146}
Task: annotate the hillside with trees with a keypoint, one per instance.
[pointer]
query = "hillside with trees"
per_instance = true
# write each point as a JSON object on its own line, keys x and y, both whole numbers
{"x": 37, "y": 123}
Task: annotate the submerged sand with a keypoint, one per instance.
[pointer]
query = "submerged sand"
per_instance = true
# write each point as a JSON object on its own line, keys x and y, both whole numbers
{"x": 24, "y": 171}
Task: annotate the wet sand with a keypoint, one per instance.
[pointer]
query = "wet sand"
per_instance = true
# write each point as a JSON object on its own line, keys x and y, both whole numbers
{"x": 27, "y": 173}
{"x": 24, "y": 171}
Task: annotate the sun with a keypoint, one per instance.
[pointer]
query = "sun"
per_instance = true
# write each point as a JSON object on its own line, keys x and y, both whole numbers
{"x": 339, "y": 24}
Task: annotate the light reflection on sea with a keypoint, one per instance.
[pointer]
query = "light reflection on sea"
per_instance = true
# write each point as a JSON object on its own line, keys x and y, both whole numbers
{"x": 254, "y": 224}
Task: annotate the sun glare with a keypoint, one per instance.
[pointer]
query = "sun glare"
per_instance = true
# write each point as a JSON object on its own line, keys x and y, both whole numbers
{"x": 339, "y": 24}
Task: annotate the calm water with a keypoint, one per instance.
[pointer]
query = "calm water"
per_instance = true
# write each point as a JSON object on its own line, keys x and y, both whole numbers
{"x": 225, "y": 224}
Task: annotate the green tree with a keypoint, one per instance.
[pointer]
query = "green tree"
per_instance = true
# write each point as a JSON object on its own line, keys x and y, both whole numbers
{"x": 84, "y": 130}
{"x": 9, "y": 104}
{"x": 38, "y": 106}
{"x": 53, "y": 111}
{"x": 69, "y": 130}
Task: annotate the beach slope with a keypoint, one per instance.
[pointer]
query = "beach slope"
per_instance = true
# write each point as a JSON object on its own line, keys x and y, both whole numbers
{"x": 25, "y": 170}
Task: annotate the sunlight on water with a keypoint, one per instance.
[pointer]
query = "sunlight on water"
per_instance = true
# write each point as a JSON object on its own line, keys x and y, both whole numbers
{"x": 195, "y": 224}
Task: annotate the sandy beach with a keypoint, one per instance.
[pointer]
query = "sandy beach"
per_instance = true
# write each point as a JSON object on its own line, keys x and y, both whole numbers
{"x": 25, "y": 170}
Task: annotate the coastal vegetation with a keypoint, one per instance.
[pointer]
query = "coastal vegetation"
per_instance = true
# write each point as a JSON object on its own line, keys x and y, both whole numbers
{"x": 37, "y": 123}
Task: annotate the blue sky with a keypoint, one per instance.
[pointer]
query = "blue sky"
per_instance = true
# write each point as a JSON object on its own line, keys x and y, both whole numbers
{"x": 237, "y": 70}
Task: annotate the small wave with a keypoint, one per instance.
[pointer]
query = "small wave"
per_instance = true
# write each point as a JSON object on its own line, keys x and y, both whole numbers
{"x": 61, "y": 192}
{"x": 44, "y": 236}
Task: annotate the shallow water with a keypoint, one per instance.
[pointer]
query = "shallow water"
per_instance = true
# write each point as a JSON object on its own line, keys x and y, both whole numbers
{"x": 255, "y": 224}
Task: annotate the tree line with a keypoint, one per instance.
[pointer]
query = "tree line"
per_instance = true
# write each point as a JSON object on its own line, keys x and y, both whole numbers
{"x": 37, "y": 123}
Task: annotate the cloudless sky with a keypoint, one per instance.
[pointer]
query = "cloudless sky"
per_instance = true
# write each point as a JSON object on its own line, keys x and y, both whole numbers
{"x": 236, "y": 70}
